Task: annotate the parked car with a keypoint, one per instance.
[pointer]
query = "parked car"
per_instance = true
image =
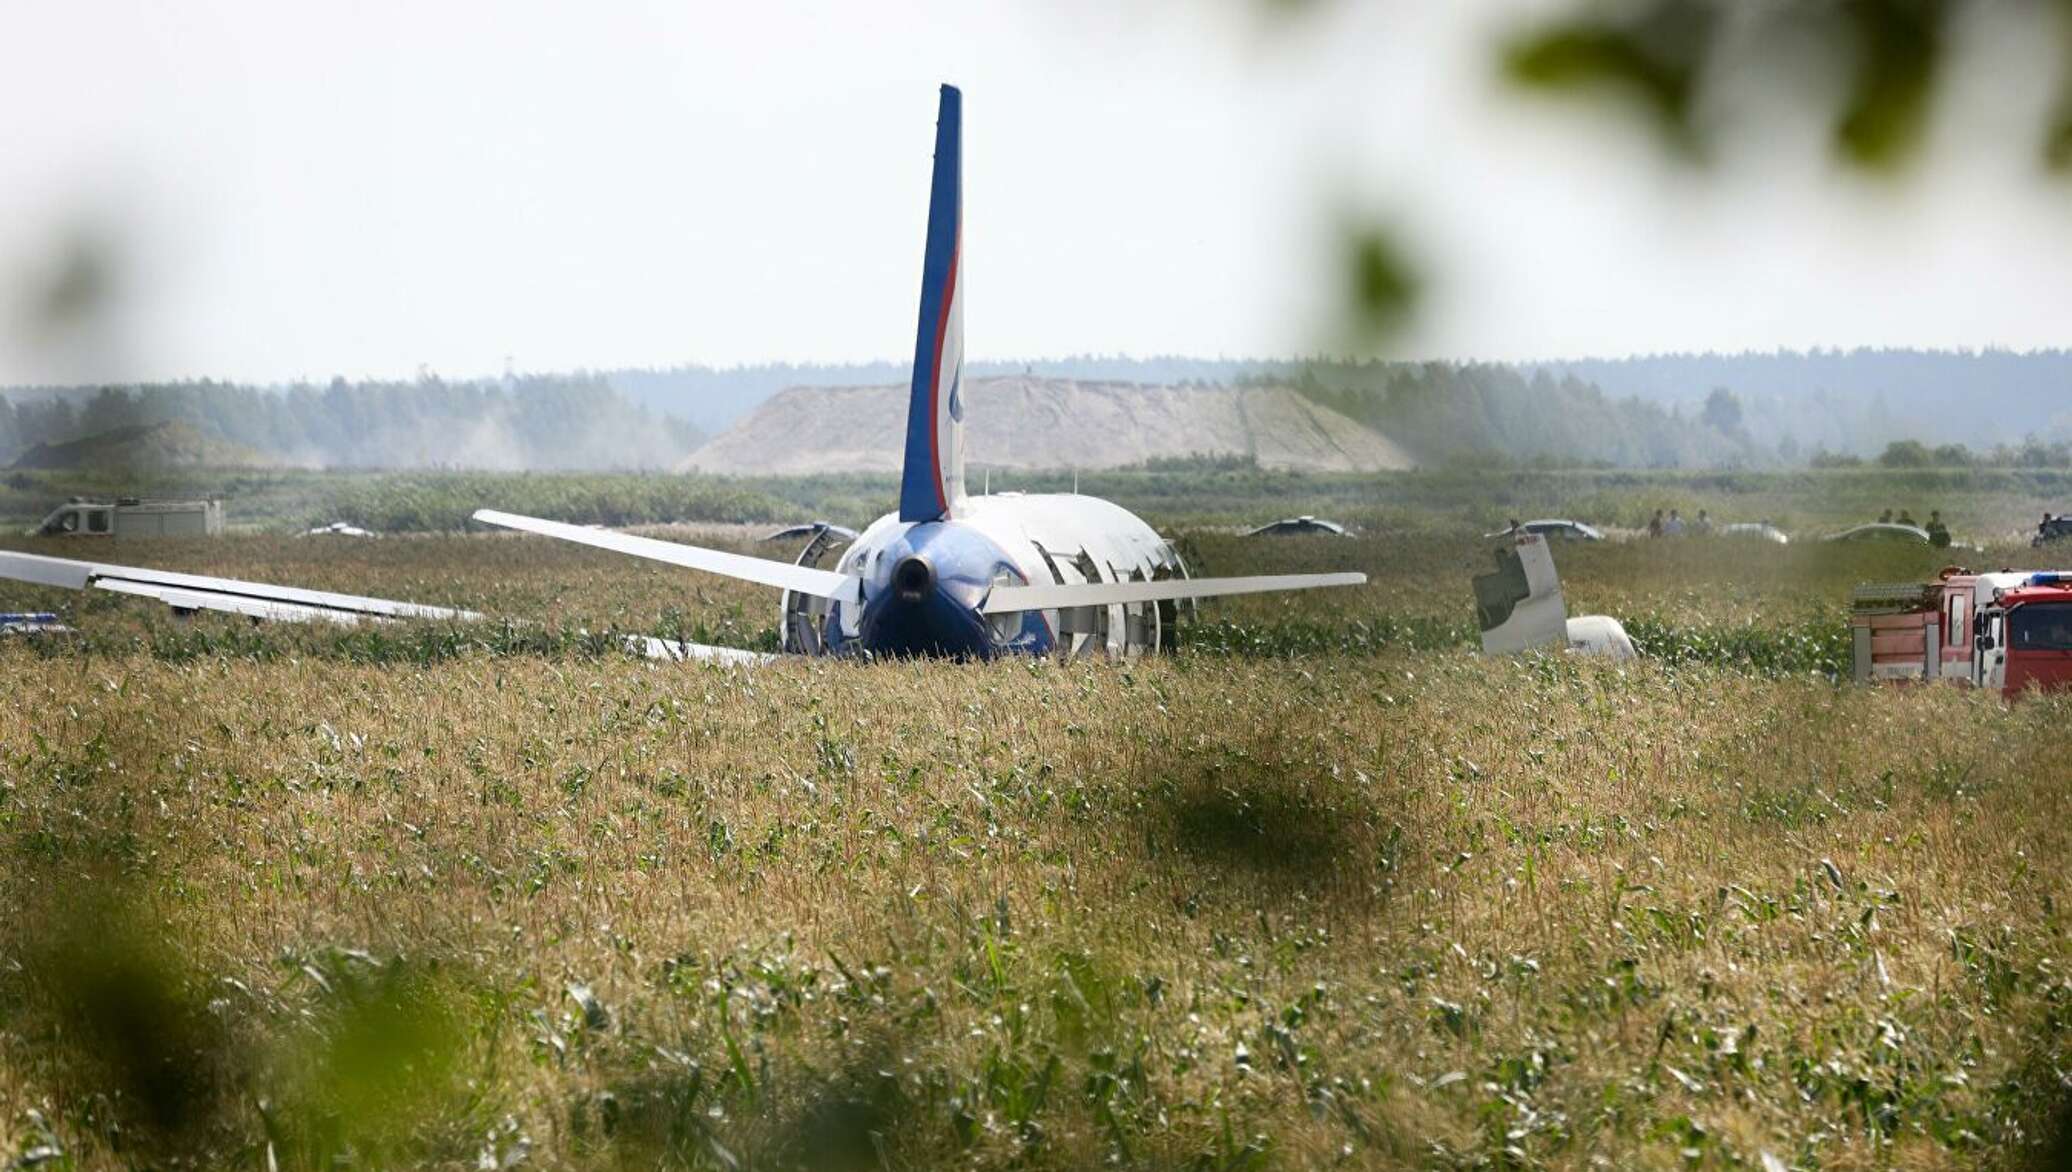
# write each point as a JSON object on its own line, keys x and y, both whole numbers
{"x": 1555, "y": 529}
{"x": 1753, "y": 531}
{"x": 1883, "y": 531}
{"x": 1294, "y": 526}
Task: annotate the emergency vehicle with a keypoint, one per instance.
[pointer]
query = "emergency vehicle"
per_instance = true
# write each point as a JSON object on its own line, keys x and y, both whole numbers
{"x": 2005, "y": 630}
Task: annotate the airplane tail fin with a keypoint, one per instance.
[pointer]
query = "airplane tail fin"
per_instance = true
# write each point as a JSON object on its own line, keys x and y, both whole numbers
{"x": 1520, "y": 605}
{"x": 932, "y": 484}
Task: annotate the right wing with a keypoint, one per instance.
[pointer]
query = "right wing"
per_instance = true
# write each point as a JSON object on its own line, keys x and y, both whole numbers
{"x": 289, "y": 604}
{"x": 259, "y": 600}
{"x": 783, "y": 575}
{"x": 1065, "y": 595}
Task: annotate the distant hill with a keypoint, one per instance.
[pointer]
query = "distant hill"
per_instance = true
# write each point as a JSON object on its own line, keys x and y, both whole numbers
{"x": 142, "y": 446}
{"x": 1023, "y": 421}
{"x": 715, "y": 397}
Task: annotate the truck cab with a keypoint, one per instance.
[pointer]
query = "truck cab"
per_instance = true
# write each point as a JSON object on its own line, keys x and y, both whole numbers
{"x": 78, "y": 518}
{"x": 2024, "y": 636}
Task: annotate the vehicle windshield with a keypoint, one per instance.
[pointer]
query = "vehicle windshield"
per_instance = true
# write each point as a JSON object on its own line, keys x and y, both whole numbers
{"x": 2041, "y": 627}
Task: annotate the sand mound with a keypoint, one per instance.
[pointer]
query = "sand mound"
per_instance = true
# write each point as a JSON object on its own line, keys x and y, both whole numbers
{"x": 1027, "y": 422}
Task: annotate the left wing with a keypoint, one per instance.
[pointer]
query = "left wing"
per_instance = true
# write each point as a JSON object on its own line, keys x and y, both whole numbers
{"x": 190, "y": 592}
{"x": 1008, "y": 599}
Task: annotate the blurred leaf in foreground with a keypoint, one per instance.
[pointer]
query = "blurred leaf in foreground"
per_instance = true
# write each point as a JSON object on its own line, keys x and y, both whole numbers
{"x": 1383, "y": 283}
{"x": 1898, "y": 43}
{"x": 1651, "y": 58}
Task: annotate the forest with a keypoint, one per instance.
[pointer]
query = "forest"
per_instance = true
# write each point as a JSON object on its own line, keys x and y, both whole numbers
{"x": 519, "y": 422}
{"x": 1488, "y": 413}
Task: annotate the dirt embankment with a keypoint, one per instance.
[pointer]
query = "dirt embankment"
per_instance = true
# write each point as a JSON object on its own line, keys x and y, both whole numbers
{"x": 1029, "y": 422}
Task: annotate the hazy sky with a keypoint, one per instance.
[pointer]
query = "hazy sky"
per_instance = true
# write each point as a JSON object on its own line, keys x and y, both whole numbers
{"x": 296, "y": 190}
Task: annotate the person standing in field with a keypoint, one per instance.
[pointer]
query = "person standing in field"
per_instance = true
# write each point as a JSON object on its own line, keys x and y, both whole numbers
{"x": 1655, "y": 524}
{"x": 1938, "y": 533}
{"x": 1885, "y": 518}
{"x": 1703, "y": 525}
{"x": 1674, "y": 526}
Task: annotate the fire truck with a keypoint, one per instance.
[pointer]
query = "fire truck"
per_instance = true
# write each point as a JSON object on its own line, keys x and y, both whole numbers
{"x": 2006, "y": 631}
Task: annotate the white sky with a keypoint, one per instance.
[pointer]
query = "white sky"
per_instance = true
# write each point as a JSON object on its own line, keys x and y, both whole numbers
{"x": 303, "y": 190}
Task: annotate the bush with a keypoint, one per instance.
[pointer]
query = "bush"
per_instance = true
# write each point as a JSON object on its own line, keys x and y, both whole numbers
{"x": 1905, "y": 454}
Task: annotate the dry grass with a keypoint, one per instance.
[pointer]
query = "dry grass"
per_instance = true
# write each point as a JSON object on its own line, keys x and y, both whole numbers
{"x": 1416, "y": 574}
{"x": 1223, "y": 913}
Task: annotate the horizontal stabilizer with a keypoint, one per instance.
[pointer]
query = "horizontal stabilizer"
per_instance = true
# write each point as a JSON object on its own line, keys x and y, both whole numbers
{"x": 783, "y": 575}
{"x": 201, "y": 592}
{"x": 1008, "y": 599}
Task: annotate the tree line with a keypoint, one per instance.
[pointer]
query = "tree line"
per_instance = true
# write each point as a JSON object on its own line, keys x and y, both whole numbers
{"x": 1483, "y": 413}
{"x": 573, "y": 421}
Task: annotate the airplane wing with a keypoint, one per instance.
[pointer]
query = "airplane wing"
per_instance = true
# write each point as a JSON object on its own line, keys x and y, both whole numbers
{"x": 679, "y": 652}
{"x": 783, "y": 575}
{"x": 1008, "y": 599}
{"x": 289, "y": 604}
{"x": 259, "y": 600}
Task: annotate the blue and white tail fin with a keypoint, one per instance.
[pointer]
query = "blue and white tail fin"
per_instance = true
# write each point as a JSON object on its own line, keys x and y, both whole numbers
{"x": 932, "y": 485}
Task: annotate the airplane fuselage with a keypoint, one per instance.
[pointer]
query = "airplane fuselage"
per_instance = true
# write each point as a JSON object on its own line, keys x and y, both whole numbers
{"x": 923, "y": 582}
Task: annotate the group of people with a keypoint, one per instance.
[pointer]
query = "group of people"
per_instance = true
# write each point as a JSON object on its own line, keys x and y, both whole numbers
{"x": 1938, "y": 533}
{"x": 1673, "y": 525}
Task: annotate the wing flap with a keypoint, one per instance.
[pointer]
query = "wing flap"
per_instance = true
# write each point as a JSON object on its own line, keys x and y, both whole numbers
{"x": 257, "y": 608}
{"x": 1008, "y": 599}
{"x": 763, "y": 571}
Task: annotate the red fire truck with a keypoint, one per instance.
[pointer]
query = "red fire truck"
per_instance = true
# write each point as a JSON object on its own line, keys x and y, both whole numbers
{"x": 2005, "y": 630}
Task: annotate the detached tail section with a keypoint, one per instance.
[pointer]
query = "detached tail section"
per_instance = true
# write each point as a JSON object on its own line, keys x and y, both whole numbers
{"x": 932, "y": 485}
{"x": 1520, "y": 605}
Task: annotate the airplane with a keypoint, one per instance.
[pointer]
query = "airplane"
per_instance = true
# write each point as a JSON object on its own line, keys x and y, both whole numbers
{"x": 1519, "y": 607}
{"x": 946, "y": 574}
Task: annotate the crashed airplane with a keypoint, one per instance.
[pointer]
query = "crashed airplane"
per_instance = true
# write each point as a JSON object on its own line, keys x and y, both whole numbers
{"x": 947, "y": 574}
